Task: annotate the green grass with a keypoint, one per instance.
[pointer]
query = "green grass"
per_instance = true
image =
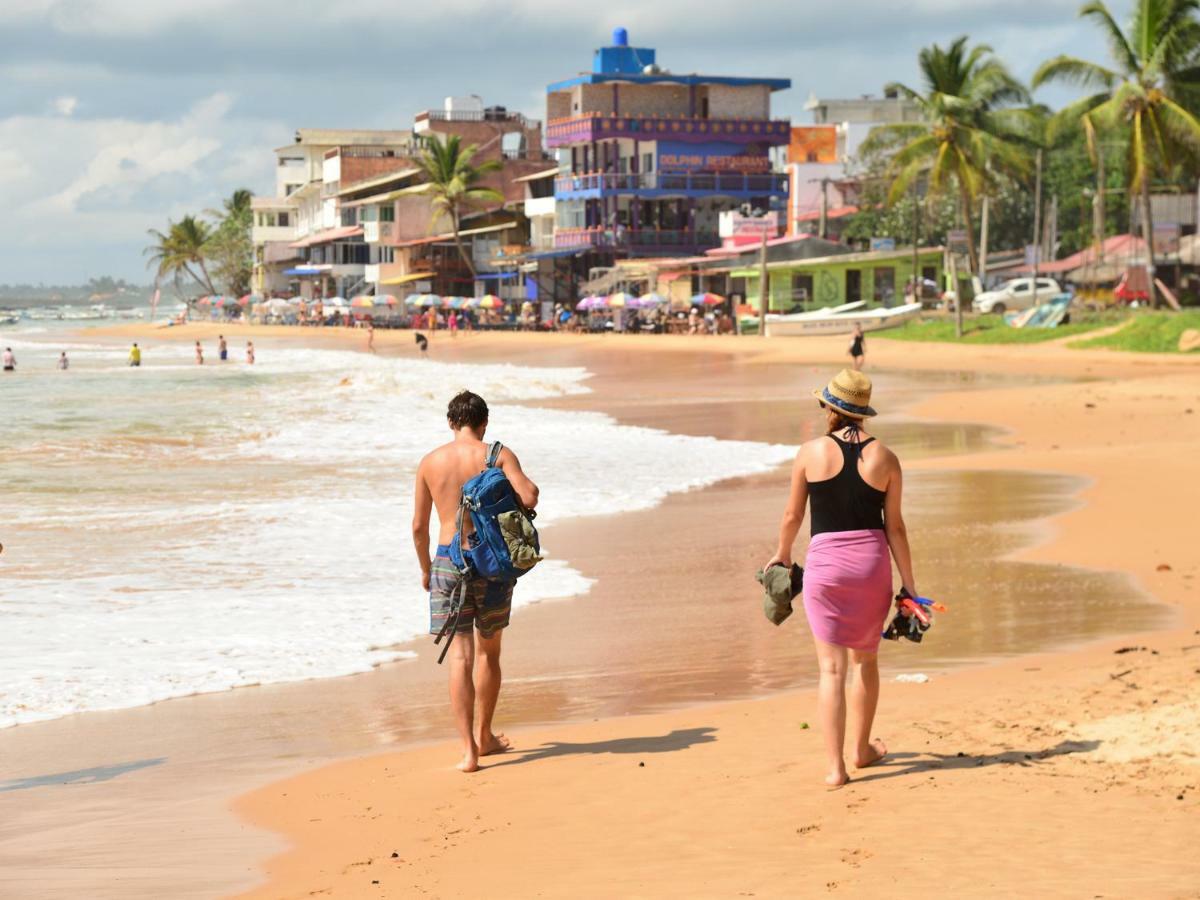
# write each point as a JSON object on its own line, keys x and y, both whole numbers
{"x": 989, "y": 330}
{"x": 1147, "y": 332}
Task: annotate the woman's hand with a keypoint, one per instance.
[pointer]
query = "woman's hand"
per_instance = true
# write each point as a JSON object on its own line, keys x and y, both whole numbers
{"x": 779, "y": 559}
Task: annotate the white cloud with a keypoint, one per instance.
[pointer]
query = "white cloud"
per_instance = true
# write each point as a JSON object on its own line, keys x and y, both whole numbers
{"x": 65, "y": 105}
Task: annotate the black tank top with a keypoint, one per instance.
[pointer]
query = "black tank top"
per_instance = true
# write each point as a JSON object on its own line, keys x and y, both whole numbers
{"x": 845, "y": 502}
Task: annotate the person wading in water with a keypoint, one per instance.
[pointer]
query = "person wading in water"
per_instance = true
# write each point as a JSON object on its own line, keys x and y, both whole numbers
{"x": 852, "y": 485}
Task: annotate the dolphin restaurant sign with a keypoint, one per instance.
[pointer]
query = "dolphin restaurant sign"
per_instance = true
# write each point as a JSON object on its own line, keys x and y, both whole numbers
{"x": 710, "y": 158}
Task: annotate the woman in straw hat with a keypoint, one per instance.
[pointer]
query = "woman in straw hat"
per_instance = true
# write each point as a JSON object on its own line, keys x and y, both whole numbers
{"x": 852, "y": 483}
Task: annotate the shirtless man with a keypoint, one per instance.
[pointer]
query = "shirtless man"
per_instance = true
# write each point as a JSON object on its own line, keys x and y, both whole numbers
{"x": 474, "y": 655}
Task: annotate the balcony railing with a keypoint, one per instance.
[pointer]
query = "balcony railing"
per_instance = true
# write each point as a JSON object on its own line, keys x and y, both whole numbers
{"x": 635, "y": 238}
{"x": 475, "y": 115}
{"x": 600, "y": 126}
{"x": 733, "y": 182}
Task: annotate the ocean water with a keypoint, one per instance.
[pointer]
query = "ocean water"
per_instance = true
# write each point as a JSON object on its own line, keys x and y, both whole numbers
{"x": 177, "y": 529}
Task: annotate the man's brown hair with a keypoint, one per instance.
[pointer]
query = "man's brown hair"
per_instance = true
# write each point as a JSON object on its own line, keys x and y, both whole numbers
{"x": 467, "y": 410}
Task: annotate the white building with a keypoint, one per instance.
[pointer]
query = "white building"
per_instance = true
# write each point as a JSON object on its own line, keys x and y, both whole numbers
{"x": 304, "y": 242}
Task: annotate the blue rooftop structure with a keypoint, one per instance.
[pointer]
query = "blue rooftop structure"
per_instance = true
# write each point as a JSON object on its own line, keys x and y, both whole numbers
{"x": 649, "y": 160}
{"x": 620, "y": 62}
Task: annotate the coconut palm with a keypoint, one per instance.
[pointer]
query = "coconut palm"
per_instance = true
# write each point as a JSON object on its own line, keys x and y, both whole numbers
{"x": 969, "y": 132}
{"x": 1143, "y": 97}
{"x": 452, "y": 183}
{"x": 181, "y": 251}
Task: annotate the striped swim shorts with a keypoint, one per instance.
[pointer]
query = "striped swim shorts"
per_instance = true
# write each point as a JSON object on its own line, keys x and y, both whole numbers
{"x": 487, "y": 605}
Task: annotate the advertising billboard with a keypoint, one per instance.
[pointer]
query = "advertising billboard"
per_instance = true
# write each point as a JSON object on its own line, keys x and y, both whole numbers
{"x": 813, "y": 144}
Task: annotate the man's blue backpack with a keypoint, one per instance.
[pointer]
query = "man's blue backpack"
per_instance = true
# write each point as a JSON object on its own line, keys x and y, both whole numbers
{"x": 504, "y": 544}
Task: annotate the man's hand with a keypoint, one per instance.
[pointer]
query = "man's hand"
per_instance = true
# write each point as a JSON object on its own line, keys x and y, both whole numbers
{"x": 425, "y": 579}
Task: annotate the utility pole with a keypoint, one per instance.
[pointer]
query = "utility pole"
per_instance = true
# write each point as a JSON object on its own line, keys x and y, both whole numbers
{"x": 824, "y": 208}
{"x": 983, "y": 242}
{"x": 1037, "y": 226}
{"x": 1099, "y": 210}
{"x": 763, "y": 287}
{"x": 916, "y": 239}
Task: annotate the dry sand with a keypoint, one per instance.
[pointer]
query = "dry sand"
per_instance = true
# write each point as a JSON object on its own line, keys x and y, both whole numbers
{"x": 1069, "y": 773}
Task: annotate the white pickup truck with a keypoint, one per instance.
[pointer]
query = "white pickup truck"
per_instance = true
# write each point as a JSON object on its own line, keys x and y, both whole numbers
{"x": 1016, "y": 294}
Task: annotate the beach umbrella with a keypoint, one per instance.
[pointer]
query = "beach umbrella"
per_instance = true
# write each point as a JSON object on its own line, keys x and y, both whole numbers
{"x": 204, "y": 301}
{"x": 490, "y": 301}
{"x": 619, "y": 300}
{"x": 707, "y": 300}
{"x": 428, "y": 300}
{"x": 387, "y": 300}
{"x": 363, "y": 300}
{"x": 471, "y": 302}
{"x": 249, "y": 298}
{"x": 649, "y": 301}
{"x": 412, "y": 300}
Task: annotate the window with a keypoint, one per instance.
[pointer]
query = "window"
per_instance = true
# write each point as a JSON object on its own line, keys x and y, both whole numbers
{"x": 283, "y": 220}
{"x": 289, "y": 189}
{"x": 1022, "y": 287}
{"x": 387, "y": 213}
{"x": 349, "y": 217}
{"x": 647, "y": 162}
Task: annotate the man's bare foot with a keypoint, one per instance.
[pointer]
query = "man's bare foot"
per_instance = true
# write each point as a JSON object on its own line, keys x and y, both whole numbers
{"x": 492, "y": 744}
{"x": 876, "y": 751}
{"x": 469, "y": 763}
{"x": 835, "y": 780}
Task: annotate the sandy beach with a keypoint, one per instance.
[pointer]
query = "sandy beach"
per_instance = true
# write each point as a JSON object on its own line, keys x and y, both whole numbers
{"x": 660, "y": 725}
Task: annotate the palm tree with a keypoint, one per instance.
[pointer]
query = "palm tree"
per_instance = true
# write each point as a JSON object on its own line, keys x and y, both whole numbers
{"x": 1155, "y": 75}
{"x": 967, "y": 133}
{"x": 452, "y": 182}
{"x": 181, "y": 251}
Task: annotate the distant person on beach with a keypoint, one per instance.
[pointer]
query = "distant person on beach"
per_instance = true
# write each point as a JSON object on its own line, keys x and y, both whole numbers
{"x": 135, "y": 356}
{"x": 851, "y": 484}
{"x": 63, "y": 362}
{"x": 222, "y": 348}
{"x": 371, "y": 337}
{"x": 475, "y": 652}
{"x": 10, "y": 361}
{"x": 250, "y": 353}
{"x": 856, "y": 347}
{"x": 453, "y": 322}
{"x": 199, "y": 354}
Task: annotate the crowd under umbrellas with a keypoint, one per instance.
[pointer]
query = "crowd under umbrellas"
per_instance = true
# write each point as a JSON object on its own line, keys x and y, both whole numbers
{"x": 619, "y": 311}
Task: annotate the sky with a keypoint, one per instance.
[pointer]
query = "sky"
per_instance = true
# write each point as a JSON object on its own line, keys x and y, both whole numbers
{"x": 116, "y": 115}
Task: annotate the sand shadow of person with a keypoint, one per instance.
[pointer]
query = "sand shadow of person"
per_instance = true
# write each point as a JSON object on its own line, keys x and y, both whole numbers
{"x": 680, "y": 739}
{"x": 896, "y": 765}
{"x": 79, "y": 776}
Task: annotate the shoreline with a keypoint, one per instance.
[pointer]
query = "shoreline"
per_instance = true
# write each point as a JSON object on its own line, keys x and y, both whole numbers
{"x": 494, "y": 346}
{"x": 307, "y": 866}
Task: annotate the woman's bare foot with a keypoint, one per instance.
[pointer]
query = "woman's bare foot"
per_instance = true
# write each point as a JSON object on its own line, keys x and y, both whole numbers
{"x": 492, "y": 744}
{"x": 835, "y": 780}
{"x": 469, "y": 763}
{"x": 876, "y": 751}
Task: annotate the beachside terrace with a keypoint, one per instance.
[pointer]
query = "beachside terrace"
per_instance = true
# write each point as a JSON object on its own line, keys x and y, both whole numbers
{"x": 667, "y": 184}
{"x": 637, "y": 241}
{"x": 591, "y": 127}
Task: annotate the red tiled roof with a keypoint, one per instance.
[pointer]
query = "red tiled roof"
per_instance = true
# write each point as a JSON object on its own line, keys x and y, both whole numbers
{"x": 835, "y": 212}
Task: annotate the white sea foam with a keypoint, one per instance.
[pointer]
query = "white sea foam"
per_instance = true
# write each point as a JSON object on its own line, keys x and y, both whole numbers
{"x": 265, "y": 537}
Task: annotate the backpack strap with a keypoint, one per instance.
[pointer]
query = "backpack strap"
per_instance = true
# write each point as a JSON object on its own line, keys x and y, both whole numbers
{"x": 493, "y": 454}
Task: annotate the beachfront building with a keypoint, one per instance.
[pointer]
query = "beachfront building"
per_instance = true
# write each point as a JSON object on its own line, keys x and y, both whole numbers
{"x": 821, "y": 193}
{"x": 304, "y": 242}
{"x": 649, "y": 159}
{"x": 388, "y": 230}
{"x": 804, "y": 283}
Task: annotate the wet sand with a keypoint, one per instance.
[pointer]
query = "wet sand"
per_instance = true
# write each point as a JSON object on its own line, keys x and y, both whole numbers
{"x": 635, "y": 644}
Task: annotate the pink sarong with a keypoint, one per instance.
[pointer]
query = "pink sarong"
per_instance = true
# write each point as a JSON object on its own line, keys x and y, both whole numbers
{"x": 848, "y": 587}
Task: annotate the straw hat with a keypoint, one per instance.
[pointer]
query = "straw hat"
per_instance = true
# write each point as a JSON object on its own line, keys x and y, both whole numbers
{"x": 849, "y": 392}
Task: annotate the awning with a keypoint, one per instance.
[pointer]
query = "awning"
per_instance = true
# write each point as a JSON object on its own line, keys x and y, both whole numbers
{"x": 671, "y": 276}
{"x": 449, "y": 235}
{"x": 377, "y": 181}
{"x": 495, "y": 276}
{"x": 406, "y": 279}
{"x": 565, "y": 251}
{"x": 308, "y": 270}
{"x": 538, "y": 176}
{"x": 324, "y": 237}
